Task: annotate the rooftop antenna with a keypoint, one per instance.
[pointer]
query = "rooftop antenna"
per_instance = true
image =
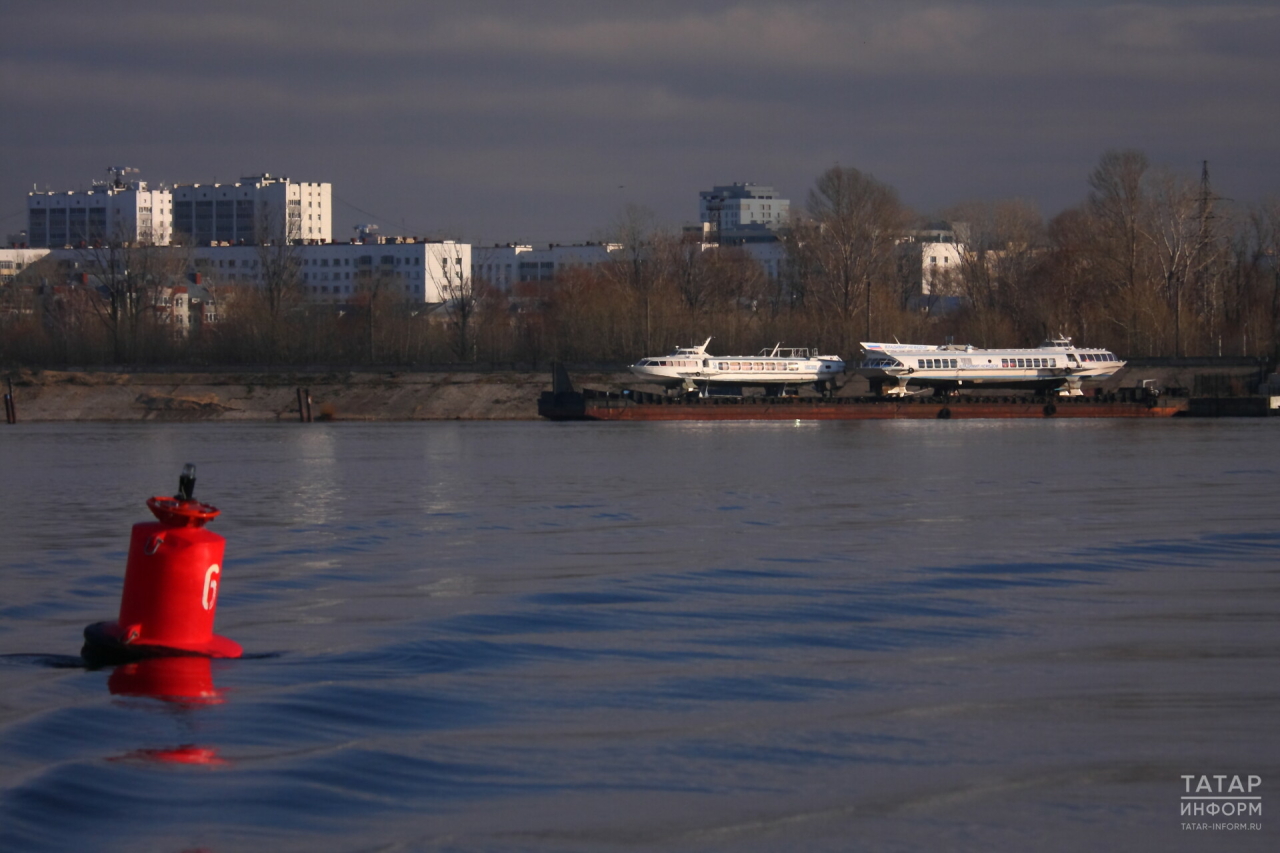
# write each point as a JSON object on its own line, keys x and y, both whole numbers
{"x": 117, "y": 174}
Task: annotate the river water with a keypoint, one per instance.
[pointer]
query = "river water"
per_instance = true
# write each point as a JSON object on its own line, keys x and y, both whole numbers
{"x": 964, "y": 635}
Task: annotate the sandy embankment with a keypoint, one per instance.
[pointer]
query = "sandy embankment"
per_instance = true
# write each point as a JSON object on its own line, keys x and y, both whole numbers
{"x": 47, "y": 395}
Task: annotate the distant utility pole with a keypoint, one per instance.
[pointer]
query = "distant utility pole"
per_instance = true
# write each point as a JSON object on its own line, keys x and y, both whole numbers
{"x": 867, "y": 288}
{"x": 1201, "y": 259}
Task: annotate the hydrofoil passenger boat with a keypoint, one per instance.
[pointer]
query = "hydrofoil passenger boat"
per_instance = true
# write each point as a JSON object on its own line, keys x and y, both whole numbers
{"x": 774, "y": 368}
{"x": 1056, "y": 366}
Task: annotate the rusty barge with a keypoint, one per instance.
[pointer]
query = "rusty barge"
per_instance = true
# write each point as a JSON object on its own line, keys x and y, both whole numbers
{"x": 564, "y": 402}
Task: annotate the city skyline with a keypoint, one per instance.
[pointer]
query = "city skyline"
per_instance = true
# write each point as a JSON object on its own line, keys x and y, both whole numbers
{"x": 503, "y": 122}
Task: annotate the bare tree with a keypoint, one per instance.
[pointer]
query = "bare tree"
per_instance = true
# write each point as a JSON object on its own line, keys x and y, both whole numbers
{"x": 461, "y": 295}
{"x": 1119, "y": 206}
{"x": 1263, "y": 263}
{"x": 373, "y": 289}
{"x": 127, "y": 273}
{"x": 998, "y": 245}
{"x": 1176, "y": 230}
{"x": 279, "y": 280}
{"x": 688, "y": 265}
{"x": 635, "y": 265}
{"x": 856, "y": 224}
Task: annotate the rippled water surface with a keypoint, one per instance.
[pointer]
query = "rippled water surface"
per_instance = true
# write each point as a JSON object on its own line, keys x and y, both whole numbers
{"x": 559, "y": 637}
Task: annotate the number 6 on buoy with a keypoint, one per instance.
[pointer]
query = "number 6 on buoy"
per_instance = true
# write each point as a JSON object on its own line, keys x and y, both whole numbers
{"x": 210, "y": 587}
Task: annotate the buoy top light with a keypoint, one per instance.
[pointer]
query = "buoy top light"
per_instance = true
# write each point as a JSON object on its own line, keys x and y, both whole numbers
{"x": 182, "y": 510}
{"x": 186, "y": 483}
{"x": 176, "y": 513}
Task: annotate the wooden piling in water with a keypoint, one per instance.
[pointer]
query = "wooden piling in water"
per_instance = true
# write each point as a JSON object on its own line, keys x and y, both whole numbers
{"x": 10, "y": 408}
{"x": 304, "y": 405}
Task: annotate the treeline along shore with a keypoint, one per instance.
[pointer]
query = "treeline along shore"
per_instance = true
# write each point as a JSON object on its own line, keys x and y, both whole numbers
{"x": 447, "y": 392}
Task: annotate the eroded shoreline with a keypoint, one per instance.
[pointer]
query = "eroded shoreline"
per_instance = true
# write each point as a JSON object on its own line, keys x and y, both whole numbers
{"x": 44, "y": 396}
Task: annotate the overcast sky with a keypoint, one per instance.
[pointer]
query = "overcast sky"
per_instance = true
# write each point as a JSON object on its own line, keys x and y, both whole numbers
{"x": 540, "y": 121}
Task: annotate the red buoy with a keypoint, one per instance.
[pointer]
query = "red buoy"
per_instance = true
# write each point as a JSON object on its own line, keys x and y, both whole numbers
{"x": 171, "y": 586}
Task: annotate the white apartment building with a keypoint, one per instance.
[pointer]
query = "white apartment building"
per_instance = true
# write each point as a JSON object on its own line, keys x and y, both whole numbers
{"x": 504, "y": 266}
{"x": 258, "y": 208}
{"x": 772, "y": 257}
{"x": 742, "y": 213}
{"x": 930, "y": 272}
{"x": 417, "y": 271}
{"x": 112, "y": 210}
{"x": 13, "y": 261}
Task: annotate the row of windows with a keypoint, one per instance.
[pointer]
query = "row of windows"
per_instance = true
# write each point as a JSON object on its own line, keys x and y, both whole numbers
{"x": 948, "y": 363}
{"x": 757, "y": 365}
{"x": 667, "y": 362}
{"x": 346, "y": 276}
{"x": 346, "y": 288}
{"x": 364, "y": 260}
{"x": 760, "y": 366}
{"x": 1028, "y": 362}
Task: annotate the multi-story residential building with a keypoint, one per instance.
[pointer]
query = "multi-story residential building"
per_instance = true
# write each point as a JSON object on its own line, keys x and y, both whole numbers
{"x": 13, "y": 261}
{"x": 742, "y": 213}
{"x": 505, "y": 266}
{"x": 929, "y": 270}
{"x": 114, "y": 210}
{"x": 186, "y": 308}
{"x": 257, "y": 209}
{"x": 772, "y": 258}
{"x": 418, "y": 271}
{"x": 929, "y": 261}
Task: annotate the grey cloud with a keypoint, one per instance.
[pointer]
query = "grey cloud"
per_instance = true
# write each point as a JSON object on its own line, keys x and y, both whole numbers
{"x": 517, "y": 119}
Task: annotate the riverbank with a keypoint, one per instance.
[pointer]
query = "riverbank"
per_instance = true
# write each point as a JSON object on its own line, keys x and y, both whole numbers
{"x": 54, "y": 395}
{"x": 51, "y": 396}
